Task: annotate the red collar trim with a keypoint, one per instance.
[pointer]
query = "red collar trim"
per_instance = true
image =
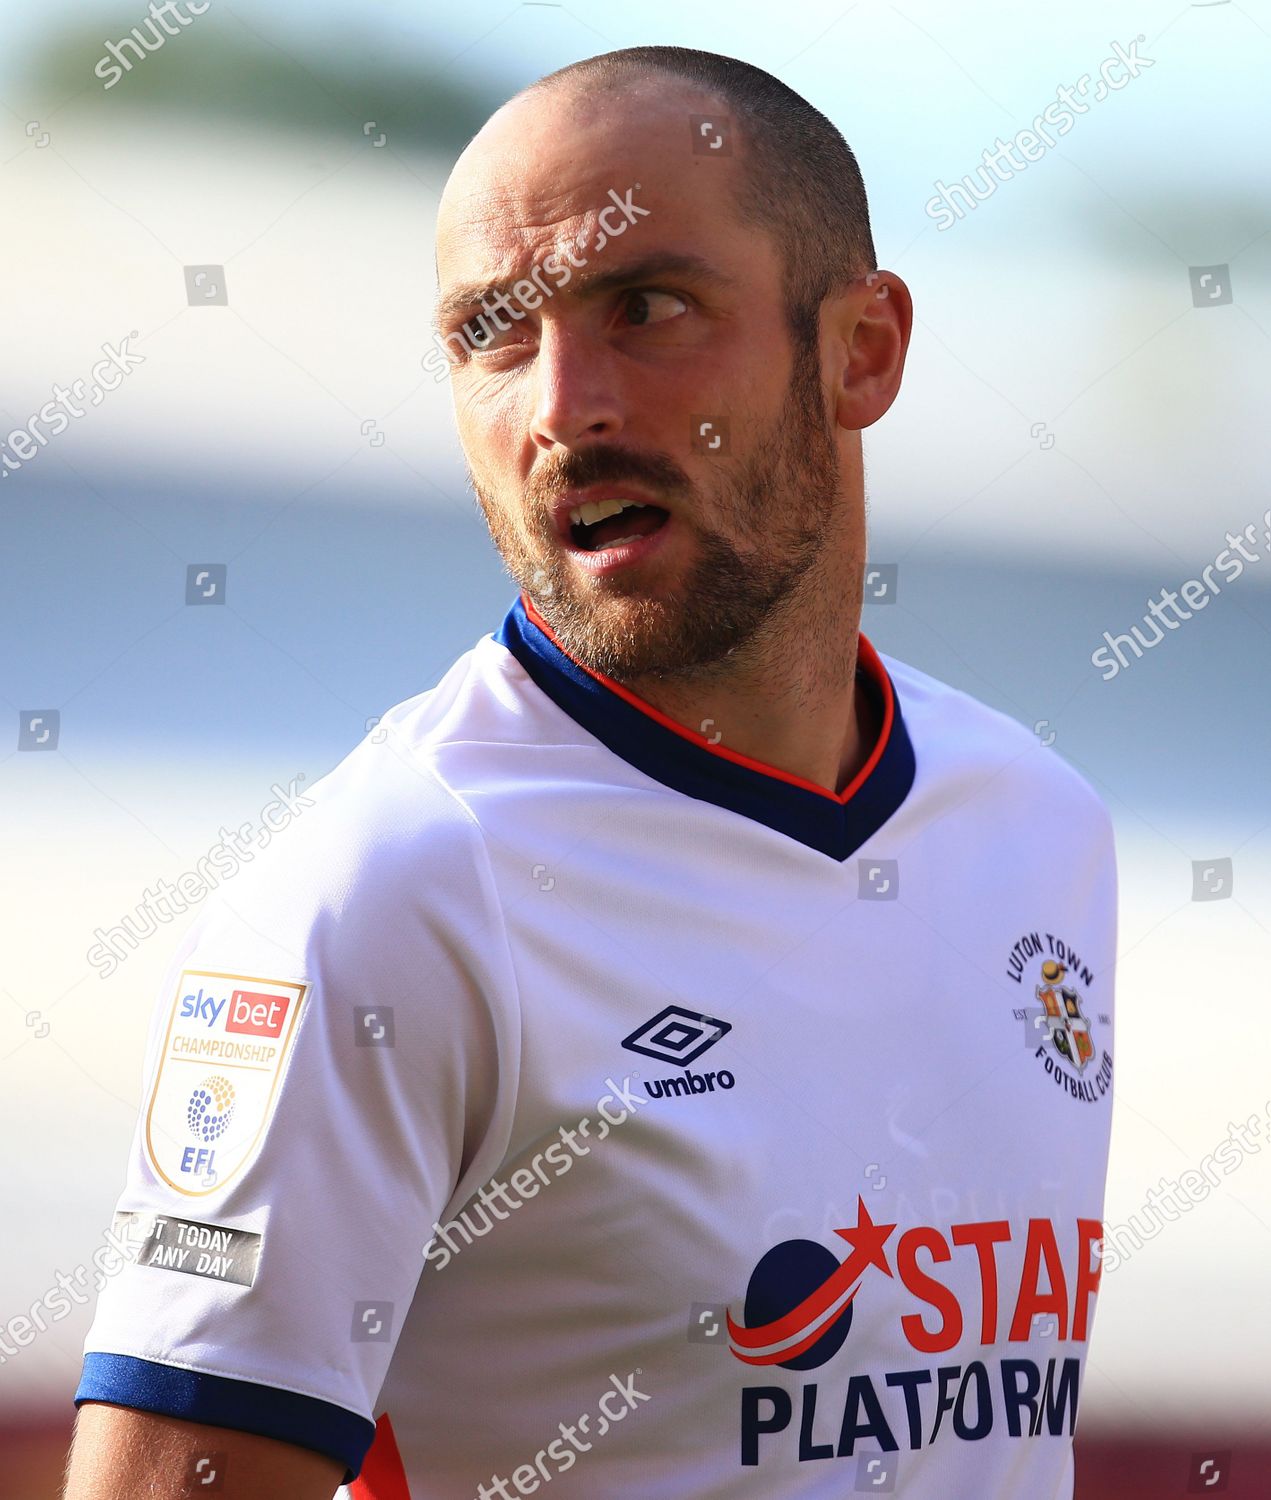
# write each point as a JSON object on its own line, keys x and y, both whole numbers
{"x": 867, "y": 661}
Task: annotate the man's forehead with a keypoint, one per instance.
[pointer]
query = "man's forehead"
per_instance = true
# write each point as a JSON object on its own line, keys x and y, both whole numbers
{"x": 546, "y": 162}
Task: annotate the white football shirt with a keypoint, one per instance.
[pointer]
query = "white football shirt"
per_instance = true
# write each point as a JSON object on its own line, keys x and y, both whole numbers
{"x": 568, "y": 1102}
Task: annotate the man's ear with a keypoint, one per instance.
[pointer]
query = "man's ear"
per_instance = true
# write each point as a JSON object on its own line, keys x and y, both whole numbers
{"x": 868, "y": 326}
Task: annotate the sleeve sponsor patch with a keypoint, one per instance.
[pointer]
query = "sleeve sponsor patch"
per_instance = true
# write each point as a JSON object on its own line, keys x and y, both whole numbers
{"x": 186, "y": 1245}
{"x": 227, "y": 1039}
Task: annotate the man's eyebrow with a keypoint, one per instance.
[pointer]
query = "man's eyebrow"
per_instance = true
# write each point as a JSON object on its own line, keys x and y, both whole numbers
{"x": 588, "y": 282}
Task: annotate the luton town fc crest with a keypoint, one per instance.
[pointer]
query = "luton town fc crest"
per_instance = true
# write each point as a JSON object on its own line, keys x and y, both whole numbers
{"x": 1058, "y": 1030}
{"x": 1068, "y": 1026}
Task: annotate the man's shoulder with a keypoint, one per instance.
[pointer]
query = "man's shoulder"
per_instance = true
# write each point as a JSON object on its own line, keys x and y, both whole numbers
{"x": 478, "y": 699}
{"x": 957, "y": 736}
{"x": 381, "y": 869}
{"x": 386, "y": 819}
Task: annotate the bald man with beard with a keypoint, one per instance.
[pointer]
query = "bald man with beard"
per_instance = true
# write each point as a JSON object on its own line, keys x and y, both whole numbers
{"x": 698, "y": 1073}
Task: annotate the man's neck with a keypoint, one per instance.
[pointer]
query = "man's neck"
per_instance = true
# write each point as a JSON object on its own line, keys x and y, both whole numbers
{"x": 803, "y": 710}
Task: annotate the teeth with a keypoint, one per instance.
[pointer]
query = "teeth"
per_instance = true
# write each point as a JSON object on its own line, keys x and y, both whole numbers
{"x": 592, "y": 511}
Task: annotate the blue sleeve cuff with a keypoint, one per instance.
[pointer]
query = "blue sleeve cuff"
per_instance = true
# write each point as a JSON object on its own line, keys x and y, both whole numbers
{"x": 243, "y": 1405}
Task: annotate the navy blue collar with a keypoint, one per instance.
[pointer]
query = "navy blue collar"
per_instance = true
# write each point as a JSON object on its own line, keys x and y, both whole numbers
{"x": 835, "y": 824}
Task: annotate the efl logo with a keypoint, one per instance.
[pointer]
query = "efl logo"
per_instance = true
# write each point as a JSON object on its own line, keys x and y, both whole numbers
{"x": 255, "y": 1014}
{"x": 219, "y": 1021}
{"x": 676, "y": 1035}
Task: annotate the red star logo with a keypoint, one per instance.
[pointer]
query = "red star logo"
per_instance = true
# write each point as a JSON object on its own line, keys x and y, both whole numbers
{"x": 867, "y": 1241}
{"x": 787, "y": 1337}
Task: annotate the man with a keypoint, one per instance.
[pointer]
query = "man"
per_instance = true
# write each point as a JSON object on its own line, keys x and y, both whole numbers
{"x": 673, "y": 1057}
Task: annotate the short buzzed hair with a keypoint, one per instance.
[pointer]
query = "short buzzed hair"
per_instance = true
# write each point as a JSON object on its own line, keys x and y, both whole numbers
{"x": 800, "y": 180}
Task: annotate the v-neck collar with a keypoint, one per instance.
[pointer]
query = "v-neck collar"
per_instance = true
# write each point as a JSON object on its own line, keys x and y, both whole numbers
{"x": 834, "y": 823}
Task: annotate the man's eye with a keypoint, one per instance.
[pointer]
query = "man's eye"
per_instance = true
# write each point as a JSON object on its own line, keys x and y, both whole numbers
{"x": 648, "y": 305}
{"x": 479, "y": 334}
{"x": 644, "y": 306}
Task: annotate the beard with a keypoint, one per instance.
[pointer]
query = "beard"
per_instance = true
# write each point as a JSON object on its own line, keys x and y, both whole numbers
{"x": 781, "y": 496}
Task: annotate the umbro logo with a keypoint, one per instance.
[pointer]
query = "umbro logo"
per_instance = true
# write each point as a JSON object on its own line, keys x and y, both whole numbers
{"x": 676, "y": 1035}
{"x": 679, "y": 1036}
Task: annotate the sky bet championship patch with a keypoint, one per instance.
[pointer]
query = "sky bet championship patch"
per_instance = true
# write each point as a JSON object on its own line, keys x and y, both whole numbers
{"x": 227, "y": 1040}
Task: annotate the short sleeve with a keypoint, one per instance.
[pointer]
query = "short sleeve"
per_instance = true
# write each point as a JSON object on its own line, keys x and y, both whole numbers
{"x": 331, "y": 1061}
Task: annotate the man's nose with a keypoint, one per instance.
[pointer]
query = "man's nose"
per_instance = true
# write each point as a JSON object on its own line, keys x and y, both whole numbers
{"x": 577, "y": 393}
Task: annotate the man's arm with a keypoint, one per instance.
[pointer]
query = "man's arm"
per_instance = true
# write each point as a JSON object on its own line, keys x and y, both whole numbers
{"x": 353, "y": 966}
{"x": 120, "y": 1454}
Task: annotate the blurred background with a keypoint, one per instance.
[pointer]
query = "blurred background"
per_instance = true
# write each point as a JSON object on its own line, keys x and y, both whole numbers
{"x": 262, "y": 538}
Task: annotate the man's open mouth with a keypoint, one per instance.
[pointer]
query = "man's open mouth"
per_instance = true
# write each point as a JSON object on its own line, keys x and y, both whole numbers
{"x": 609, "y": 523}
